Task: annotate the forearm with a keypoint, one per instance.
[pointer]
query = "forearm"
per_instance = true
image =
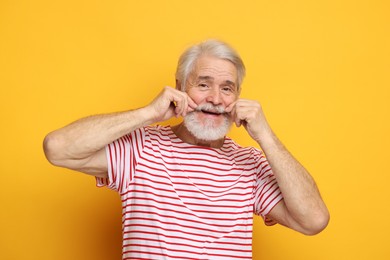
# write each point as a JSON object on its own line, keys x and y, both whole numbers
{"x": 301, "y": 195}
{"x": 86, "y": 136}
{"x": 80, "y": 145}
{"x": 302, "y": 208}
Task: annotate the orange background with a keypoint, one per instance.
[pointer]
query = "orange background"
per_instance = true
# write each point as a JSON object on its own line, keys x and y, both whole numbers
{"x": 319, "y": 68}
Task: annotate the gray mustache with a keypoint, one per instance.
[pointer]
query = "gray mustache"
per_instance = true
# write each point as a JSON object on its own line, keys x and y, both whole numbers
{"x": 211, "y": 108}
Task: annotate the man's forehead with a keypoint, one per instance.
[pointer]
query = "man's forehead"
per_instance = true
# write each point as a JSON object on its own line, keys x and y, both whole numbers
{"x": 210, "y": 61}
{"x": 214, "y": 67}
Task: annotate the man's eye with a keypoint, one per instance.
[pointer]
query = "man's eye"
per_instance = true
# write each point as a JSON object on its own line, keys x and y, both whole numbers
{"x": 203, "y": 85}
{"x": 227, "y": 89}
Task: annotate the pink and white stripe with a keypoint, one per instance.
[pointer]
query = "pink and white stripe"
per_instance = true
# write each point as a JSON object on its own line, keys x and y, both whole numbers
{"x": 182, "y": 201}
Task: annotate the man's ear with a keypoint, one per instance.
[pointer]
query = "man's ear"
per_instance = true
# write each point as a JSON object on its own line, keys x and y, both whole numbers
{"x": 239, "y": 91}
{"x": 178, "y": 85}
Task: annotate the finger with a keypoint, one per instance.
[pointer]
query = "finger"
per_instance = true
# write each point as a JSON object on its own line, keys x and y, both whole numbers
{"x": 191, "y": 103}
{"x": 233, "y": 109}
{"x": 181, "y": 106}
{"x": 184, "y": 104}
{"x": 172, "y": 107}
{"x": 237, "y": 120}
{"x": 176, "y": 108}
{"x": 235, "y": 117}
{"x": 230, "y": 107}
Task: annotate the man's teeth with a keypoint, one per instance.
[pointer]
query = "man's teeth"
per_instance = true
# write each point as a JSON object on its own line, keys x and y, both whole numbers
{"x": 211, "y": 112}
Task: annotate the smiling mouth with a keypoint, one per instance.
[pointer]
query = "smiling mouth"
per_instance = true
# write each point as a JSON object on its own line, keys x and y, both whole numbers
{"x": 211, "y": 112}
{"x": 209, "y": 109}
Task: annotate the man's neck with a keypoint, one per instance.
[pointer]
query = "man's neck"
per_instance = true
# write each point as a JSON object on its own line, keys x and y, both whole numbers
{"x": 186, "y": 136}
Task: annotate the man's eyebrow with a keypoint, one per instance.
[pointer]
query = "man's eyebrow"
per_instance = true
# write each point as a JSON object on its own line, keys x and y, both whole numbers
{"x": 208, "y": 78}
{"x": 229, "y": 82}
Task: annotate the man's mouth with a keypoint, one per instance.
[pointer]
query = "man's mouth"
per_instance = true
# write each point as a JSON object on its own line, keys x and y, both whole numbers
{"x": 209, "y": 112}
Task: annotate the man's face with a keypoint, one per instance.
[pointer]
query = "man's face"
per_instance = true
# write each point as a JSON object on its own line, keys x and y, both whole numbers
{"x": 213, "y": 86}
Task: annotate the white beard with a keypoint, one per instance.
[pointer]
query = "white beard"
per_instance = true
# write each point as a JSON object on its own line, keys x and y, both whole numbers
{"x": 208, "y": 130}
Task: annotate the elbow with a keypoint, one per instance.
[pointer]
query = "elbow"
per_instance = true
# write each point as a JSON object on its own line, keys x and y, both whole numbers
{"x": 52, "y": 148}
{"x": 318, "y": 224}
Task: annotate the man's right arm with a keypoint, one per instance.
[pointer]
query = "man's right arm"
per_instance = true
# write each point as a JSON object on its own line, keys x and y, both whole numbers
{"x": 81, "y": 145}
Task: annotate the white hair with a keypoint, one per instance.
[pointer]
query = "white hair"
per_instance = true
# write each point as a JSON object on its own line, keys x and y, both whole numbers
{"x": 212, "y": 48}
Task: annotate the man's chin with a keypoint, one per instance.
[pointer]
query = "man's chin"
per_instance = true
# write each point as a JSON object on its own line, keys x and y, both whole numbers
{"x": 208, "y": 130}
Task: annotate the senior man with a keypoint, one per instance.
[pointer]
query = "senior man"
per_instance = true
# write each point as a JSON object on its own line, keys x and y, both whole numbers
{"x": 189, "y": 191}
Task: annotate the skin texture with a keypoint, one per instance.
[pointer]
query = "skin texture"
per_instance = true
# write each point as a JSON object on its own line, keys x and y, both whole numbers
{"x": 80, "y": 145}
{"x": 212, "y": 81}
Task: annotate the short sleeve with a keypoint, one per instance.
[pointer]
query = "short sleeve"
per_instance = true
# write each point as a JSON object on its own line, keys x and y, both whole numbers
{"x": 267, "y": 192}
{"x": 122, "y": 156}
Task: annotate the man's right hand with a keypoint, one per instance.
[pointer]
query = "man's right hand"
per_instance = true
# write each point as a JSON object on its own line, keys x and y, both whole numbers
{"x": 170, "y": 103}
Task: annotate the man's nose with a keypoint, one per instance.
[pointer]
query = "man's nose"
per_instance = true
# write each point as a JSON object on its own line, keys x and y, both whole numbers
{"x": 214, "y": 96}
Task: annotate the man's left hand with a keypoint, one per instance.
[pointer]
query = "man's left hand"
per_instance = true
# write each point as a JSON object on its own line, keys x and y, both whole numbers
{"x": 249, "y": 114}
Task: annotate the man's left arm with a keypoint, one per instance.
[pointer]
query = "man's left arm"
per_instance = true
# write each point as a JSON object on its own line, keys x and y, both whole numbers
{"x": 302, "y": 208}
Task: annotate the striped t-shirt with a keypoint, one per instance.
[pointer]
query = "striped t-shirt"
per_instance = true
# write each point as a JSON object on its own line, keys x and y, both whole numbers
{"x": 182, "y": 201}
